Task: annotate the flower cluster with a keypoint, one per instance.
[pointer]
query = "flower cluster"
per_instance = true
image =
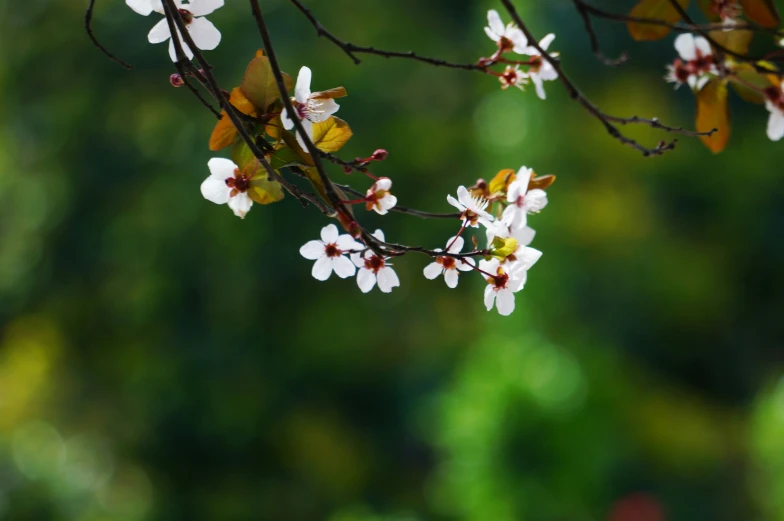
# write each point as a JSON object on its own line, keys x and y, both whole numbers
{"x": 510, "y": 39}
{"x": 503, "y": 264}
{"x": 695, "y": 66}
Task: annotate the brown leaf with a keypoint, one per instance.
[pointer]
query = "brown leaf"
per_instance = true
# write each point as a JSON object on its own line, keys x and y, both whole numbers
{"x": 259, "y": 83}
{"x": 541, "y": 182}
{"x": 713, "y": 112}
{"x": 656, "y": 10}
{"x": 337, "y": 92}
{"x": 736, "y": 40}
{"x": 500, "y": 183}
{"x": 762, "y": 12}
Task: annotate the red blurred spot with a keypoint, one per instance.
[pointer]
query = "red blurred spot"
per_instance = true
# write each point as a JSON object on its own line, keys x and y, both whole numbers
{"x": 637, "y": 507}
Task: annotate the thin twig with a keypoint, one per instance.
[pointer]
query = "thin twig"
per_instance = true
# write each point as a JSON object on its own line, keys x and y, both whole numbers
{"x": 88, "y": 20}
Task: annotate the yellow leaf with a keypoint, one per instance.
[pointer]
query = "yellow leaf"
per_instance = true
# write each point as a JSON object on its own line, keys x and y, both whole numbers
{"x": 224, "y": 132}
{"x": 762, "y": 12}
{"x": 259, "y": 83}
{"x": 337, "y": 92}
{"x": 736, "y": 40}
{"x": 331, "y": 135}
{"x": 655, "y": 10}
{"x": 500, "y": 183}
{"x": 713, "y": 112}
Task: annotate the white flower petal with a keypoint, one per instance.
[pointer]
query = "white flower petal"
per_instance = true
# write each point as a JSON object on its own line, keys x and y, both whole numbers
{"x": 455, "y": 244}
{"x": 514, "y": 217}
{"x": 312, "y": 250}
{"x": 686, "y": 47}
{"x": 366, "y": 279}
{"x": 241, "y": 204}
{"x": 451, "y": 278}
{"x": 346, "y": 242}
{"x": 464, "y": 196}
{"x": 302, "y": 90}
{"x": 329, "y": 234}
{"x": 495, "y": 23}
{"x": 387, "y": 279}
{"x": 545, "y": 42}
{"x": 535, "y": 200}
{"x": 433, "y": 270}
{"x": 308, "y": 126}
{"x": 204, "y": 7}
{"x": 173, "y": 50}
{"x": 528, "y": 257}
{"x": 451, "y": 200}
{"x": 343, "y": 267}
{"x": 539, "y": 84}
{"x": 775, "y": 123}
{"x": 325, "y": 109}
{"x": 357, "y": 259}
{"x": 505, "y": 302}
{"x": 524, "y": 236}
{"x": 466, "y": 264}
{"x": 143, "y": 7}
{"x": 489, "y": 297}
{"x": 322, "y": 268}
{"x": 204, "y": 34}
{"x": 702, "y": 45}
{"x": 214, "y": 189}
{"x": 490, "y": 34}
{"x": 379, "y": 234}
{"x": 159, "y": 32}
{"x": 221, "y": 167}
{"x": 286, "y": 120}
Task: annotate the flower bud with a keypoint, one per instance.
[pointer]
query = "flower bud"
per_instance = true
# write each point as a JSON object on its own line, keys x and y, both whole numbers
{"x": 176, "y": 80}
{"x": 379, "y": 155}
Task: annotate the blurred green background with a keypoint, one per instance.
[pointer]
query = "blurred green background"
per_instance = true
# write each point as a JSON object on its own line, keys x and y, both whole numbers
{"x": 161, "y": 359}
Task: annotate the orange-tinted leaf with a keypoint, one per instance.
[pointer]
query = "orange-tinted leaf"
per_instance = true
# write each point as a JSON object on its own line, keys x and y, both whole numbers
{"x": 708, "y": 9}
{"x": 224, "y": 132}
{"x": 264, "y": 191}
{"x": 542, "y": 182}
{"x": 655, "y": 10}
{"x": 713, "y": 112}
{"x": 331, "y": 135}
{"x": 762, "y": 12}
{"x": 337, "y": 92}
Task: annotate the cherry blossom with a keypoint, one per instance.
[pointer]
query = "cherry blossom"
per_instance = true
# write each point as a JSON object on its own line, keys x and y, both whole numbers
{"x": 522, "y": 201}
{"x": 507, "y": 37}
{"x": 524, "y": 236}
{"x": 226, "y": 184}
{"x": 513, "y": 77}
{"x": 541, "y": 70}
{"x": 695, "y": 65}
{"x": 375, "y": 269}
{"x": 329, "y": 254}
{"x": 472, "y": 208}
{"x": 774, "y": 102}
{"x": 378, "y": 197}
{"x": 502, "y": 283}
{"x": 449, "y": 266}
{"x": 201, "y": 30}
{"x": 310, "y": 107}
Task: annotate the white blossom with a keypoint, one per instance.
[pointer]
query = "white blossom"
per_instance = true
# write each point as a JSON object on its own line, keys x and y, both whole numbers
{"x": 513, "y": 77}
{"x": 524, "y": 236}
{"x": 774, "y": 102}
{"x": 696, "y": 63}
{"x": 449, "y": 266}
{"x": 226, "y": 184}
{"x": 507, "y": 37}
{"x": 472, "y": 208}
{"x": 309, "y": 107}
{"x": 330, "y": 254}
{"x": 378, "y": 197}
{"x": 375, "y": 269}
{"x": 502, "y": 283}
{"x": 522, "y": 201}
{"x": 543, "y": 70}
{"x": 143, "y": 7}
{"x": 201, "y": 30}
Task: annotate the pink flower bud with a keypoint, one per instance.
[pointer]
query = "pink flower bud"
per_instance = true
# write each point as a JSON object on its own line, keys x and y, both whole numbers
{"x": 176, "y": 80}
{"x": 379, "y": 155}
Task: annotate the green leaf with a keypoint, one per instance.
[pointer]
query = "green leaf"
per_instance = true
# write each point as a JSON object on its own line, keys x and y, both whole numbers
{"x": 285, "y": 157}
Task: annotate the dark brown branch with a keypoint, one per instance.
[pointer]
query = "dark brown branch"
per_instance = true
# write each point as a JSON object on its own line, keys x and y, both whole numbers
{"x": 88, "y": 20}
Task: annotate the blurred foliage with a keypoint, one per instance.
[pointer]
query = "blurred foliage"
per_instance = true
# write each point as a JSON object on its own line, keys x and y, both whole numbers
{"x": 162, "y": 360}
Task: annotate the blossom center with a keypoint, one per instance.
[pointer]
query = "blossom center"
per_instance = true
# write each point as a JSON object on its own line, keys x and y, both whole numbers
{"x": 332, "y": 250}
{"x": 499, "y": 281}
{"x": 186, "y": 16}
{"x": 374, "y": 263}
{"x": 239, "y": 183}
{"x": 447, "y": 262}
{"x": 505, "y": 44}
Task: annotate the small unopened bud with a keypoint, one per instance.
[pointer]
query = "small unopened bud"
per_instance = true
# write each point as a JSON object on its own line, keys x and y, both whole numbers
{"x": 379, "y": 155}
{"x": 355, "y": 229}
{"x": 176, "y": 80}
{"x": 348, "y": 169}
